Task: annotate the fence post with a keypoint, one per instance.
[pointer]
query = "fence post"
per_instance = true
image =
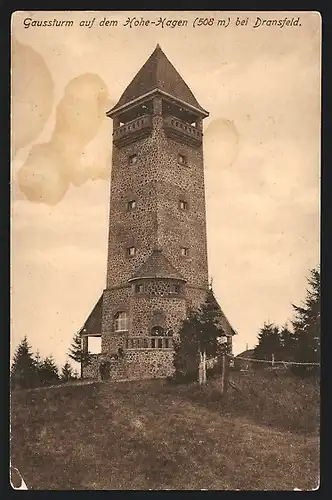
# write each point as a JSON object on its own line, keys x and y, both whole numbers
{"x": 272, "y": 361}
{"x": 200, "y": 368}
{"x": 223, "y": 374}
{"x": 204, "y": 367}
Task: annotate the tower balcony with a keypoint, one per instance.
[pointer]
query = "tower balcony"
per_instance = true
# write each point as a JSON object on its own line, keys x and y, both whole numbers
{"x": 182, "y": 131}
{"x": 132, "y": 131}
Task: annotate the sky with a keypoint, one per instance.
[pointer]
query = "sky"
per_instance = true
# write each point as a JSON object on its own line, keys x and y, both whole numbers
{"x": 261, "y": 87}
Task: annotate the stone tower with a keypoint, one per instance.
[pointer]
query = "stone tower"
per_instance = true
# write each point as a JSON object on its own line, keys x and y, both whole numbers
{"x": 157, "y": 248}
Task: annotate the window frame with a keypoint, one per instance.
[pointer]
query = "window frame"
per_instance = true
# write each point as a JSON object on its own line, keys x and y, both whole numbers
{"x": 175, "y": 289}
{"x": 131, "y": 159}
{"x": 121, "y": 321}
{"x": 184, "y": 251}
{"x": 185, "y": 204}
{"x": 129, "y": 254}
{"x": 183, "y": 163}
{"x": 131, "y": 205}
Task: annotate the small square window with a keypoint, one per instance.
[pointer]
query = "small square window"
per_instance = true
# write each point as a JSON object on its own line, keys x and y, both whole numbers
{"x": 182, "y": 160}
{"x": 131, "y": 205}
{"x": 131, "y": 251}
{"x": 139, "y": 288}
{"x": 183, "y": 205}
{"x": 184, "y": 252}
{"x": 132, "y": 159}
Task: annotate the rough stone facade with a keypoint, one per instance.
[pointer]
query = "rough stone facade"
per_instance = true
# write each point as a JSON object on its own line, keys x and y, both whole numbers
{"x": 156, "y": 215}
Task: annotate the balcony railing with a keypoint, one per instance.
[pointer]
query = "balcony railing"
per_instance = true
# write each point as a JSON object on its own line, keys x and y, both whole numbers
{"x": 179, "y": 129}
{"x": 133, "y": 130}
{"x": 149, "y": 343}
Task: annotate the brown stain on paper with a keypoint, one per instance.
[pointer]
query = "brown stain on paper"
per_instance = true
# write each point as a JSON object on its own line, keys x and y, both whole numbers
{"x": 32, "y": 95}
{"x": 51, "y": 167}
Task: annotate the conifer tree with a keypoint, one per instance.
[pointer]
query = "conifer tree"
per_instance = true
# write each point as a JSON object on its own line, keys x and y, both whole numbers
{"x": 23, "y": 370}
{"x": 66, "y": 372}
{"x": 269, "y": 343}
{"x": 287, "y": 343}
{"x": 48, "y": 371}
{"x": 306, "y": 324}
{"x": 200, "y": 332}
{"x": 76, "y": 352}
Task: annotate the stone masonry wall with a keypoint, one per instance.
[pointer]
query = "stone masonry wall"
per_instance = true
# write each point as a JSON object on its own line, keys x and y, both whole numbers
{"x": 157, "y": 183}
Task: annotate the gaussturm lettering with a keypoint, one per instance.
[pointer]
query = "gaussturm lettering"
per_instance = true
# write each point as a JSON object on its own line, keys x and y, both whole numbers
{"x": 28, "y": 22}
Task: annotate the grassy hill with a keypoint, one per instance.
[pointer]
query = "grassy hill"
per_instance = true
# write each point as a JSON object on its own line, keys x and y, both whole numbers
{"x": 151, "y": 435}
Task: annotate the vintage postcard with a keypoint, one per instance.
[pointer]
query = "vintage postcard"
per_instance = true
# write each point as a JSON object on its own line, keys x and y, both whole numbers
{"x": 165, "y": 250}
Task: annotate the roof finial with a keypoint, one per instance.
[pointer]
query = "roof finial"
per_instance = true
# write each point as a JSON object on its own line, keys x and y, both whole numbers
{"x": 158, "y": 46}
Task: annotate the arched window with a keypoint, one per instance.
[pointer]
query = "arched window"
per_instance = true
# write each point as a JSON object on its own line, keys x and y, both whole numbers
{"x": 157, "y": 331}
{"x": 121, "y": 321}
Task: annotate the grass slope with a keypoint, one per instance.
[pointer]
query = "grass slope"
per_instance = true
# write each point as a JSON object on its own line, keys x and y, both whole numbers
{"x": 139, "y": 436}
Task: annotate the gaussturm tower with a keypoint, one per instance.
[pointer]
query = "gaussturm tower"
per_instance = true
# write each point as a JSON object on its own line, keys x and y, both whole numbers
{"x": 157, "y": 249}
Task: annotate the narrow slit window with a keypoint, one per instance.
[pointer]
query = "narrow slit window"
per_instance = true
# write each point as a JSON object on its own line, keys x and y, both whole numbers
{"x": 184, "y": 252}
{"x": 139, "y": 288}
{"x": 131, "y": 205}
{"x": 175, "y": 288}
{"x": 183, "y": 205}
{"x": 132, "y": 160}
{"x": 131, "y": 251}
{"x": 182, "y": 160}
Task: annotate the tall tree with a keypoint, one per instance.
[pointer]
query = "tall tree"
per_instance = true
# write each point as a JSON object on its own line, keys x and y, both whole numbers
{"x": 23, "y": 370}
{"x": 306, "y": 324}
{"x": 48, "y": 371}
{"x": 200, "y": 332}
{"x": 288, "y": 343}
{"x": 269, "y": 343}
{"x": 66, "y": 372}
{"x": 77, "y": 353}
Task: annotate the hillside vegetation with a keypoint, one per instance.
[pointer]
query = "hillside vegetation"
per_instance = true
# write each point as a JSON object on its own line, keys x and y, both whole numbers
{"x": 152, "y": 435}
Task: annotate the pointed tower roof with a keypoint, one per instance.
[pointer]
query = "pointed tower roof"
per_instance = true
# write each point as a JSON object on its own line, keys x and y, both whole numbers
{"x": 158, "y": 74}
{"x": 157, "y": 266}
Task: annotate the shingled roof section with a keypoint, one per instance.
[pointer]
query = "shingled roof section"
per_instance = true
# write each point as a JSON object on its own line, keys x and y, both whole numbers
{"x": 158, "y": 73}
{"x": 157, "y": 266}
{"x": 93, "y": 323}
{"x": 224, "y": 323}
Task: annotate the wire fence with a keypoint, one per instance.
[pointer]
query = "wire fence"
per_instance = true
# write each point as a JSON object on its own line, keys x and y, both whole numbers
{"x": 284, "y": 363}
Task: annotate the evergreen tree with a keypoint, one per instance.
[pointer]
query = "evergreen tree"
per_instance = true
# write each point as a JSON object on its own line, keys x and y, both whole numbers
{"x": 200, "y": 332}
{"x": 306, "y": 324}
{"x": 66, "y": 372}
{"x": 23, "y": 370}
{"x": 186, "y": 350}
{"x": 38, "y": 360}
{"x": 48, "y": 371}
{"x": 269, "y": 342}
{"x": 76, "y": 352}
{"x": 288, "y": 344}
